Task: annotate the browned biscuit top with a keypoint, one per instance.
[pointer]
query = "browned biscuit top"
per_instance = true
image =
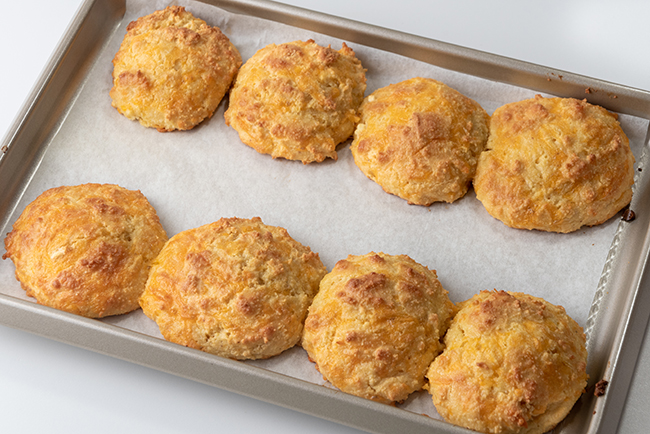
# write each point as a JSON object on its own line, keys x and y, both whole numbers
{"x": 297, "y": 100}
{"x": 375, "y": 325}
{"x": 235, "y": 288}
{"x": 172, "y": 70}
{"x": 419, "y": 139}
{"x": 86, "y": 249}
{"x": 554, "y": 164}
{"x": 513, "y": 363}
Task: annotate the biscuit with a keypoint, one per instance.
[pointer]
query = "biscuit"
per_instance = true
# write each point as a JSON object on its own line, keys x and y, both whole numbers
{"x": 235, "y": 288}
{"x": 172, "y": 70}
{"x": 375, "y": 325}
{"x": 420, "y": 140}
{"x": 86, "y": 249}
{"x": 554, "y": 164}
{"x": 297, "y": 100}
{"x": 513, "y": 363}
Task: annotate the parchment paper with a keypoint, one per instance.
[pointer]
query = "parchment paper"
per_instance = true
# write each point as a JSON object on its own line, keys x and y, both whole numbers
{"x": 196, "y": 177}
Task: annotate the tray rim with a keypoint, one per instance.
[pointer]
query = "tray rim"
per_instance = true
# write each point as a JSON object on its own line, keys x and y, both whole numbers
{"x": 624, "y": 349}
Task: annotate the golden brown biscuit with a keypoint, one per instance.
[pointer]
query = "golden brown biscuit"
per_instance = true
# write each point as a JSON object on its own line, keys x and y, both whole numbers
{"x": 297, "y": 100}
{"x": 86, "y": 249}
{"x": 513, "y": 363}
{"x": 420, "y": 140}
{"x": 172, "y": 70}
{"x": 375, "y": 325}
{"x": 235, "y": 288}
{"x": 554, "y": 164}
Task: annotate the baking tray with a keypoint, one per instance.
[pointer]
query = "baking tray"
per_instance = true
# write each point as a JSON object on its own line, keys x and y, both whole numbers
{"x": 616, "y": 321}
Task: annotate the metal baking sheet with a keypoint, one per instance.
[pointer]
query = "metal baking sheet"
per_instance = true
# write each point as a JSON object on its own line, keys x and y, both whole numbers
{"x": 614, "y": 321}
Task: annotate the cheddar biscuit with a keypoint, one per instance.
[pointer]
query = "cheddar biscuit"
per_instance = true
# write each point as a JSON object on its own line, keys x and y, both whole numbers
{"x": 235, "y": 288}
{"x": 297, "y": 100}
{"x": 554, "y": 164}
{"x": 420, "y": 140}
{"x": 513, "y": 363}
{"x": 86, "y": 249}
{"x": 375, "y": 325}
{"x": 172, "y": 70}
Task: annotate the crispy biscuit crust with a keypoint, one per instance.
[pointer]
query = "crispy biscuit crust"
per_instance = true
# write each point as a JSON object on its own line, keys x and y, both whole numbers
{"x": 172, "y": 70}
{"x": 513, "y": 363}
{"x": 554, "y": 164}
{"x": 86, "y": 249}
{"x": 420, "y": 140}
{"x": 297, "y": 100}
{"x": 235, "y": 288}
{"x": 375, "y": 325}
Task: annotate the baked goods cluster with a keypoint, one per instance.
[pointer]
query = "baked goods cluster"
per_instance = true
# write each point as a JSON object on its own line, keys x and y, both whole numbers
{"x": 378, "y": 326}
{"x": 550, "y": 164}
{"x": 237, "y": 288}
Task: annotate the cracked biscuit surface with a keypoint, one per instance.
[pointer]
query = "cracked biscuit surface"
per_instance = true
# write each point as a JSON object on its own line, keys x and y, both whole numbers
{"x": 86, "y": 249}
{"x": 375, "y": 325}
{"x": 512, "y": 363}
{"x": 420, "y": 140}
{"x": 172, "y": 70}
{"x": 297, "y": 100}
{"x": 236, "y": 288}
{"x": 554, "y": 164}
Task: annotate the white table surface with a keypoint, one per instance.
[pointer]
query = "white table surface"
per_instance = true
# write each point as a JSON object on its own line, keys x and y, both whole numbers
{"x": 50, "y": 387}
